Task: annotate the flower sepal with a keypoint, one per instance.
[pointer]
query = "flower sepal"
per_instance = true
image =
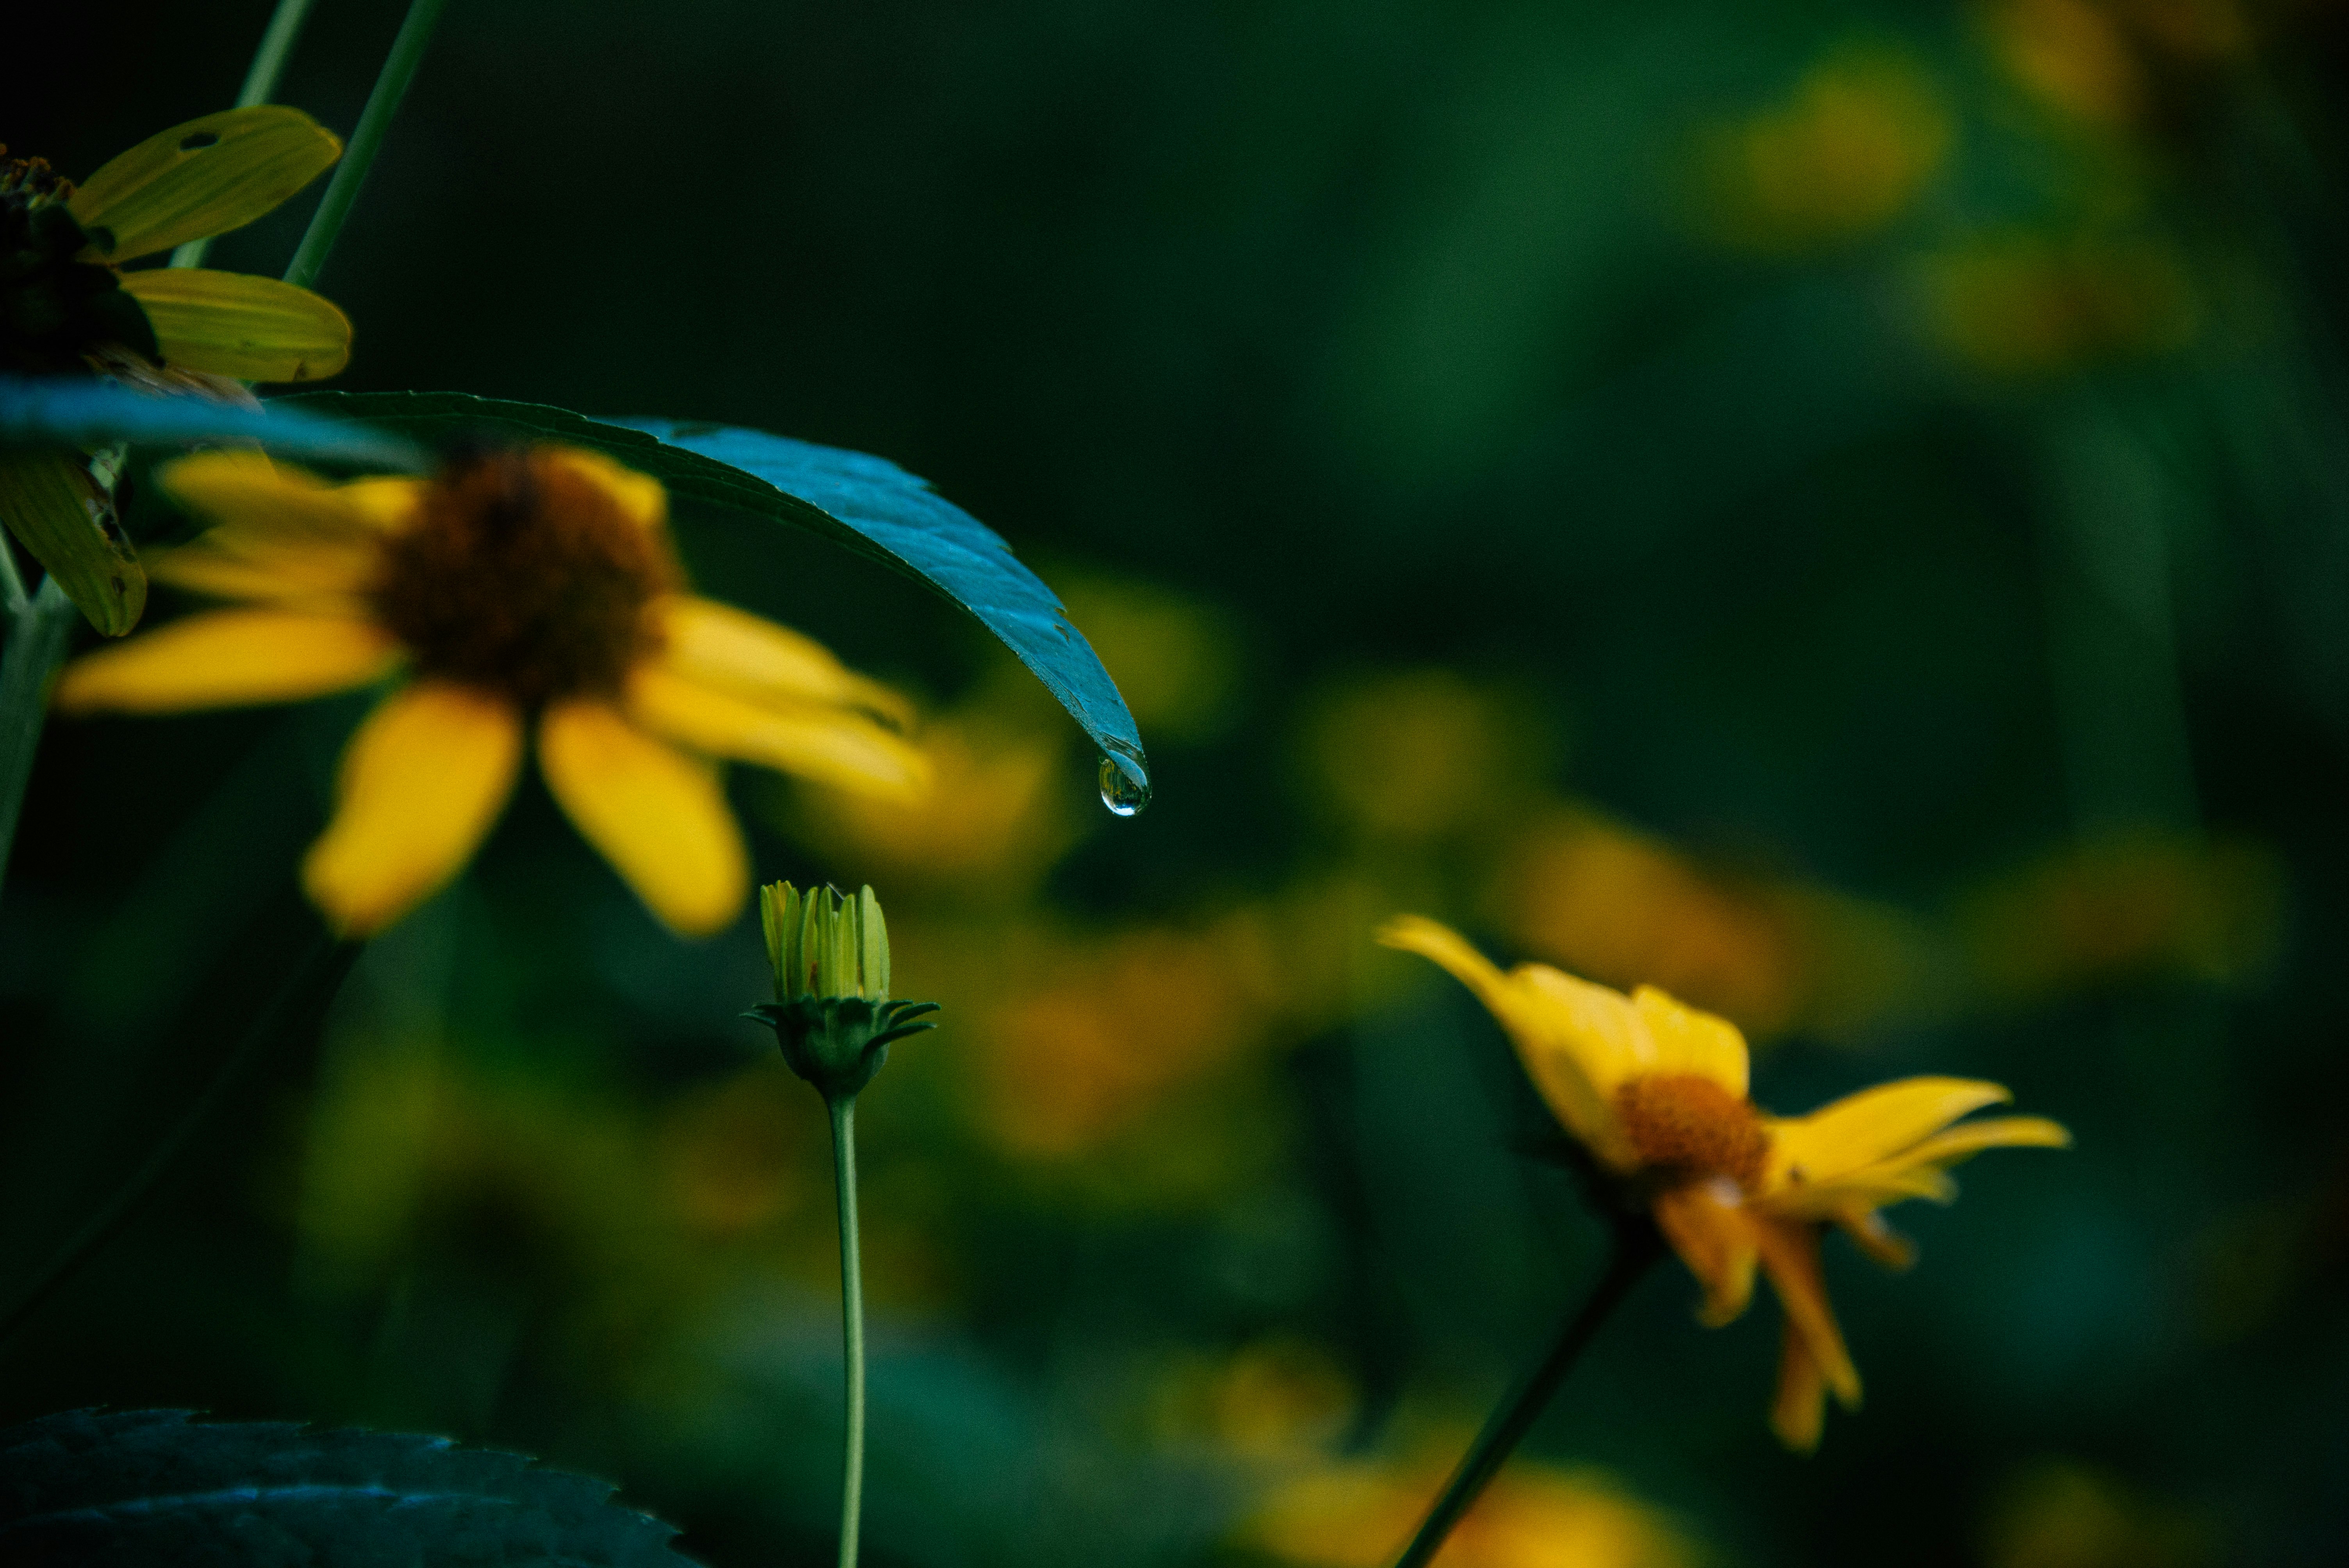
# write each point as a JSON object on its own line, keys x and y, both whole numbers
{"x": 838, "y": 1043}
{"x": 832, "y": 1013}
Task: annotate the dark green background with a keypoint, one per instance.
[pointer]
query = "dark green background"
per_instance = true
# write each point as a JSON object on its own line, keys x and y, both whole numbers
{"x": 1400, "y": 335}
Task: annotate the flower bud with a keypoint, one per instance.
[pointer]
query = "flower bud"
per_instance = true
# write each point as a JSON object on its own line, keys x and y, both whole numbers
{"x": 832, "y": 1011}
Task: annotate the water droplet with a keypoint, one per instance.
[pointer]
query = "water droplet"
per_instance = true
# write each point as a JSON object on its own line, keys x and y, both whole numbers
{"x": 1125, "y": 785}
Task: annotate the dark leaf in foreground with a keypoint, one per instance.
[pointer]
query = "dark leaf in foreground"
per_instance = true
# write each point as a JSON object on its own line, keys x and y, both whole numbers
{"x": 133, "y": 1488}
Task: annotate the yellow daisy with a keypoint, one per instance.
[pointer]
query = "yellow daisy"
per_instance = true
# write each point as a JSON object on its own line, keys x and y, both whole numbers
{"x": 68, "y": 308}
{"x": 532, "y": 590}
{"x": 1656, "y": 1091}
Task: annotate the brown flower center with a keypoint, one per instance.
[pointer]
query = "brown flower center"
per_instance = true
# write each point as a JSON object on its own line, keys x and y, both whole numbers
{"x": 522, "y": 574}
{"x": 1686, "y": 1125}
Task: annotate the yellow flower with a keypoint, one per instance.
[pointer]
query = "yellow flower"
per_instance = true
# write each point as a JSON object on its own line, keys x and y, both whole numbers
{"x": 1865, "y": 131}
{"x": 1657, "y": 1092}
{"x": 66, "y": 308}
{"x": 517, "y": 589}
{"x": 1357, "y": 1514}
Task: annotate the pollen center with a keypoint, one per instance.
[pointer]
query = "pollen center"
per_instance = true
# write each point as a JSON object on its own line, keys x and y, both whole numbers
{"x": 522, "y": 574}
{"x": 1689, "y": 1125}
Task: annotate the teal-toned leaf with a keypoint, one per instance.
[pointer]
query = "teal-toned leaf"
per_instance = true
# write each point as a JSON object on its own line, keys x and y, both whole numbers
{"x": 864, "y": 504}
{"x": 134, "y": 1488}
{"x": 74, "y": 411}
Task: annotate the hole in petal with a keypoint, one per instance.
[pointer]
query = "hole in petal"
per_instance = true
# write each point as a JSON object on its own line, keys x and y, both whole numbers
{"x": 197, "y": 140}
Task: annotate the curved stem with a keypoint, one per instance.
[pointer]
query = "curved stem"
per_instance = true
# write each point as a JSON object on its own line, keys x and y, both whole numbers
{"x": 382, "y": 104}
{"x": 36, "y": 644}
{"x": 320, "y": 972}
{"x": 852, "y": 1324}
{"x": 1637, "y": 1245}
{"x": 259, "y": 81}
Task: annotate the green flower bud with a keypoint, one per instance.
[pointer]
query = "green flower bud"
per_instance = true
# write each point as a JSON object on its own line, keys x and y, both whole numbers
{"x": 831, "y": 1010}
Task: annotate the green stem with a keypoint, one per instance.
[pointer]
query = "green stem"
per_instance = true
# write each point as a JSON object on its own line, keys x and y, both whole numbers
{"x": 260, "y": 82}
{"x": 12, "y": 584}
{"x": 382, "y": 104}
{"x": 1637, "y": 1245}
{"x": 319, "y": 973}
{"x": 36, "y": 644}
{"x": 852, "y": 1324}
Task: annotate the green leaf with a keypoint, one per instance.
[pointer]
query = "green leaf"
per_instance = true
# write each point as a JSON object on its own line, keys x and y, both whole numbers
{"x": 128, "y": 1488}
{"x": 76, "y": 411}
{"x": 865, "y": 504}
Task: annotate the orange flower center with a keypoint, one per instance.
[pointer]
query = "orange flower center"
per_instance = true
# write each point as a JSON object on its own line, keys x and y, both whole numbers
{"x": 522, "y": 574}
{"x": 1686, "y": 1125}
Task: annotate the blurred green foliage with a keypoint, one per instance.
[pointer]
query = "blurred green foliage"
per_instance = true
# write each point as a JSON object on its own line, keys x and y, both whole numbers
{"x": 1834, "y": 510}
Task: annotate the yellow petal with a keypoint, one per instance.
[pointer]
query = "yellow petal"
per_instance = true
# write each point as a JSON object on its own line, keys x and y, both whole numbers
{"x": 1800, "y": 1410}
{"x": 718, "y": 646}
{"x": 227, "y": 658}
{"x": 233, "y": 324}
{"x": 243, "y": 563}
{"x": 1879, "y": 1241}
{"x": 638, "y": 496}
{"x": 1689, "y": 1041}
{"x": 248, "y": 490}
{"x": 1709, "y": 1228}
{"x": 1790, "y": 1253}
{"x": 200, "y": 179}
{"x": 1918, "y": 1170}
{"x": 1565, "y": 1030}
{"x": 832, "y": 744}
{"x": 422, "y": 782}
{"x": 659, "y": 817}
{"x": 1862, "y": 1129}
{"x": 63, "y": 517}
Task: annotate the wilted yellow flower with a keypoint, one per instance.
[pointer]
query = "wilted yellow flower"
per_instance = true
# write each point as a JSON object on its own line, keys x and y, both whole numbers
{"x": 1657, "y": 1092}
{"x": 1864, "y": 131}
{"x": 517, "y": 590}
{"x": 68, "y": 308}
{"x": 1532, "y": 1516}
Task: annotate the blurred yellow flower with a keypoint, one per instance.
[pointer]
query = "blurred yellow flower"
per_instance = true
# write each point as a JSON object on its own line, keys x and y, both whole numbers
{"x": 1620, "y": 906}
{"x": 68, "y": 308}
{"x": 992, "y": 824}
{"x": 1418, "y": 756}
{"x": 1864, "y": 132}
{"x": 1102, "y": 1036}
{"x": 1532, "y": 1516}
{"x": 2025, "y": 305}
{"x": 1174, "y": 658}
{"x": 2062, "y": 1514}
{"x": 2127, "y": 905}
{"x": 518, "y": 590}
{"x": 1272, "y": 1398}
{"x": 1657, "y": 1092}
{"x": 2091, "y": 58}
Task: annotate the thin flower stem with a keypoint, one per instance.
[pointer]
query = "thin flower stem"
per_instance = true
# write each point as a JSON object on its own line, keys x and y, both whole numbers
{"x": 260, "y": 82}
{"x": 316, "y": 978}
{"x": 1637, "y": 1245}
{"x": 36, "y": 644}
{"x": 852, "y": 1325}
{"x": 382, "y": 104}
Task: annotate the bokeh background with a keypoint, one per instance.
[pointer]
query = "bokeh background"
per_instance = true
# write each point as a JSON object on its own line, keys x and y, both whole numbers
{"x": 1838, "y": 510}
